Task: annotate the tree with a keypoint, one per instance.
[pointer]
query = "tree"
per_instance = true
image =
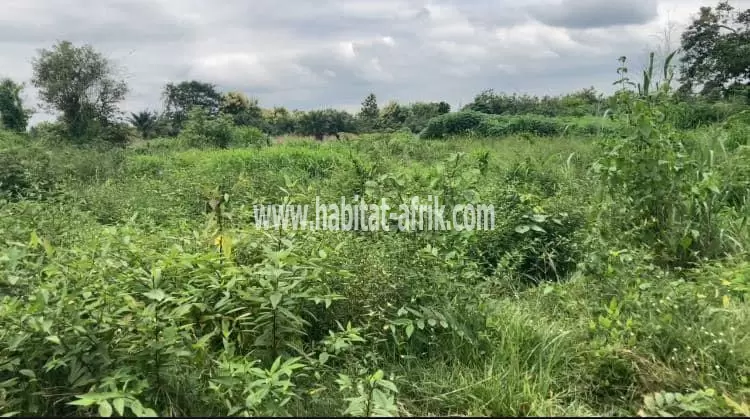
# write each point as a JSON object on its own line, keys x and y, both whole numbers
{"x": 181, "y": 98}
{"x": 369, "y": 113}
{"x": 244, "y": 111}
{"x": 13, "y": 115}
{"x": 421, "y": 112}
{"x": 393, "y": 116}
{"x": 280, "y": 121}
{"x": 80, "y": 83}
{"x": 716, "y": 50}
{"x": 443, "y": 108}
{"x": 145, "y": 122}
{"x": 320, "y": 123}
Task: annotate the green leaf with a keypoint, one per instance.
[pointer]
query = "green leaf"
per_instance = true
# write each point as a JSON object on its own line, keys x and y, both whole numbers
{"x": 119, "y": 405}
{"x": 147, "y": 413}
{"x": 54, "y": 339}
{"x": 409, "y": 330}
{"x": 275, "y": 299}
{"x": 388, "y": 385}
{"x": 377, "y": 376}
{"x": 83, "y": 401}
{"x": 105, "y": 409}
{"x": 539, "y": 218}
{"x": 522, "y": 229}
{"x": 157, "y": 295}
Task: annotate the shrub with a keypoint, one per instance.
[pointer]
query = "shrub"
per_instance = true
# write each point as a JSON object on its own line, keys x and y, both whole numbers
{"x": 203, "y": 130}
{"x": 24, "y": 171}
{"x": 248, "y": 137}
{"x": 453, "y": 124}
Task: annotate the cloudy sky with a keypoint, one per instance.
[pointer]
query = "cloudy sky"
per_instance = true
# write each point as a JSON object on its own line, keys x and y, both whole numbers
{"x": 309, "y": 54}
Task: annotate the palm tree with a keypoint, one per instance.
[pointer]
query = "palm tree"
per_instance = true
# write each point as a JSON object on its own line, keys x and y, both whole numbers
{"x": 145, "y": 122}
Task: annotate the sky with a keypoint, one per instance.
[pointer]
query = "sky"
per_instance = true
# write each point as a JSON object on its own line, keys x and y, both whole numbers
{"x": 306, "y": 54}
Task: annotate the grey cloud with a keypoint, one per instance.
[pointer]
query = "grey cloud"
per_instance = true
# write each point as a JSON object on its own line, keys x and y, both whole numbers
{"x": 112, "y": 21}
{"x": 293, "y": 53}
{"x": 595, "y": 13}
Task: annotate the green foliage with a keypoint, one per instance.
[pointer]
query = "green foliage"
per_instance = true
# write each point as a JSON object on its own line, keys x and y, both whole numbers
{"x": 244, "y": 111}
{"x": 498, "y": 126}
{"x": 280, "y": 121}
{"x": 369, "y": 114}
{"x": 320, "y": 123}
{"x": 671, "y": 195}
{"x": 80, "y": 83}
{"x": 581, "y": 103}
{"x": 420, "y": 113}
{"x": 715, "y": 57}
{"x": 695, "y": 113}
{"x": 248, "y": 137}
{"x": 204, "y": 130}
{"x": 145, "y": 122}
{"x": 702, "y": 402}
{"x": 136, "y": 281}
{"x": 181, "y": 98}
{"x": 13, "y": 116}
{"x": 449, "y": 124}
{"x": 393, "y": 116}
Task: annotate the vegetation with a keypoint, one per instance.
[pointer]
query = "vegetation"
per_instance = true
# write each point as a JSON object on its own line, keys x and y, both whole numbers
{"x": 13, "y": 116}
{"x": 615, "y": 281}
{"x": 79, "y": 83}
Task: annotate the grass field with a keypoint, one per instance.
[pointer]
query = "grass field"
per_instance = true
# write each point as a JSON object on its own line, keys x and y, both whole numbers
{"x": 123, "y": 292}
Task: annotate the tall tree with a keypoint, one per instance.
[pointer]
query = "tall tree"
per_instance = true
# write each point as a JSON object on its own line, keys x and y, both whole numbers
{"x": 280, "y": 121}
{"x": 716, "y": 50}
{"x": 369, "y": 114}
{"x": 393, "y": 116}
{"x": 80, "y": 83}
{"x": 145, "y": 122}
{"x": 182, "y": 97}
{"x": 13, "y": 115}
{"x": 421, "y": 112}
{"x": 320, "y": 123}
{"x": 244, "y": 111}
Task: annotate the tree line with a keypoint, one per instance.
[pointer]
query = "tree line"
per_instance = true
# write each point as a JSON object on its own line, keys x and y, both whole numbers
{"x": 81, "y": 85}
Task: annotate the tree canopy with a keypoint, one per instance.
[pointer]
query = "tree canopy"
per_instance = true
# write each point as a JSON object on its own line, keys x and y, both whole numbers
{"x": 80, "y": 83}
{"x": 13, "y": 115}
{"x": 716, "y": 51}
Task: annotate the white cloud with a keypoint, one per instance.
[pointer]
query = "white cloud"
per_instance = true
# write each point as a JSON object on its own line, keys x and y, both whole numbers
{"x": 334, "y": 52}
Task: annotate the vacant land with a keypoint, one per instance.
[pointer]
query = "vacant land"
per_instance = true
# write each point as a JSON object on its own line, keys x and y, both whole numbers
{"x": 139, "y": 276}
{"x": 598, "y": 291}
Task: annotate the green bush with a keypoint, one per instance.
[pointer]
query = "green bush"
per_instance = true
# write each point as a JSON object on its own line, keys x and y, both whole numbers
{"x": 248, "y": 137}
{"x": 25, "y": 171}
{"x": 204, "y": 130}
{"x": 693, "y": 114}
{"x": 485, "y": 125}
{"x": 453, "y": 124}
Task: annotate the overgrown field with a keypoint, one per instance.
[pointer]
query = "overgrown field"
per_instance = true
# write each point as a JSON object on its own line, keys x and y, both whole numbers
{"x": 614, "y": 283}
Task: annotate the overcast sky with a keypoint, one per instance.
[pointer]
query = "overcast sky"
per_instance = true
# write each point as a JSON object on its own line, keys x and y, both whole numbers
{"x": 309, "y": 54}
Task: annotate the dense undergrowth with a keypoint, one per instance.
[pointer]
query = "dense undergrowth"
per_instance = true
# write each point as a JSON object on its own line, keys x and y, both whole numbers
{"x": 614, "y": 283}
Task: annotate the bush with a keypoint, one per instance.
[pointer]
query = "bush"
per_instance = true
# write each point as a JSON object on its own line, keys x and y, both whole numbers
{"x": 470, "y": 122}
{"x": 691, "y": 115}
{"x": 248, "y": 137}
{"x": 532, "y": 243}
{"x": 453, "y": 124}
{"x": 202, "y": 130}
{"x": 24, "y": 171}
